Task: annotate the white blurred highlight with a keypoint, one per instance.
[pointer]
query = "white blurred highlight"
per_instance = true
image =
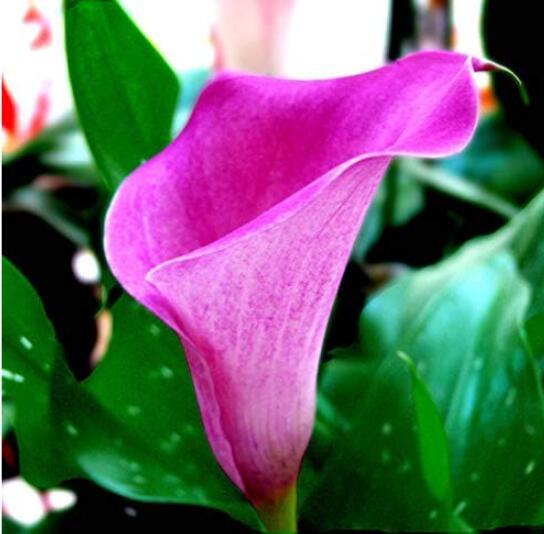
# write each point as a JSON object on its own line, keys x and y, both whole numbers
{"x": 336, "y": 38}
{"x": 181, "y": 30}
{"x": 22, "y": 503}
{"x": 85, "y": 266}
{"x": 58, "y": 500}
{"x": 25, "y": 505}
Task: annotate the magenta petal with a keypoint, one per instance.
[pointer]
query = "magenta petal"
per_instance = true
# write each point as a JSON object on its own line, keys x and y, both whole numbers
{"x": 238, "y": 233}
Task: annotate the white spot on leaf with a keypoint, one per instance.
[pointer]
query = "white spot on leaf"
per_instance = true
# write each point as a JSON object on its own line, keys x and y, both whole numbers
{"x": 511, "y": 397}
{"x": 26, "y": 343}
{"x": 14, "y": 377}
{"x": 166, "y": 372}
{"x": 460, "y": 507}
{"x": 134, "y": 467}
{"x": 71, "y": 430}
{"x": 530, "y": 467}
{"x": 405, "y": 467}
{"x": 134, "y": 410}
{"x": 154, "y": 330}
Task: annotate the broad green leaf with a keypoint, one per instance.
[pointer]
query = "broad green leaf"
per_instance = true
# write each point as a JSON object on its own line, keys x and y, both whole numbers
{"x": 133, "y": 426}
{"x": 461, "y": 323}
{"x": 535, "y": 335}
{"x": 371, "y": 476}
{"x": 125, "y": 93}
{"x": 30, "y": 352}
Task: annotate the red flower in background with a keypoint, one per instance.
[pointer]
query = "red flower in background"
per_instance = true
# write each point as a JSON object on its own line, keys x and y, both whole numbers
{"x": 31, "y": 71}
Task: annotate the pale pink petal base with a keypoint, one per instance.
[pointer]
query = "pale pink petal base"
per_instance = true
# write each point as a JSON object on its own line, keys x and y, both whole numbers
{"x": 238, "y": 233}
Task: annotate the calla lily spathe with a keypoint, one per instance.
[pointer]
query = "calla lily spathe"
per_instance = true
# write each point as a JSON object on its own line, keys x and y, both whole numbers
{"x": 237, "y": 235}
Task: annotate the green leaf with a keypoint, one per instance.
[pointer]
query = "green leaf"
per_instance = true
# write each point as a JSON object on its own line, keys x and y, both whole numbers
{"x": 461, "y": 322}
{"x": 535, "y": 337}
{"x": 7, "y": 416}
{"x": 371, "y": 476}
{"x": 30, "y": 354}
{"x": 433, "y": 443}
{"x": 456, "y": 186}
{"x": 523, "y": 237}
{"x": 467, "y": 341}
{"x": 125, "y": 93}
{"x": 500, "y": 160}
{"x": 133, "y": 426}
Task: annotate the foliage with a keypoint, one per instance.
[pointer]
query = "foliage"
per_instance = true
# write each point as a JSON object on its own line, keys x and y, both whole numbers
{"x": 432, "y": 420}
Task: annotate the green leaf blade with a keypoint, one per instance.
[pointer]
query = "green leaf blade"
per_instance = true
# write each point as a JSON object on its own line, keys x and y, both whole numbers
{"x": 125, "y": 93}
{"x": 462, "y": 322}
{"x": 433, "y": 443}
{"x": 31, "y": 353}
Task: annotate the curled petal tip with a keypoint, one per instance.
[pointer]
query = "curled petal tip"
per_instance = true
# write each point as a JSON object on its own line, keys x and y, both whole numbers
{"x": 486, "y": 65}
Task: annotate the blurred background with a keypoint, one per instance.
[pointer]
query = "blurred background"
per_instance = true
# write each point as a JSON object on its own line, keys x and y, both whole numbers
{"x": 53, "y": 201}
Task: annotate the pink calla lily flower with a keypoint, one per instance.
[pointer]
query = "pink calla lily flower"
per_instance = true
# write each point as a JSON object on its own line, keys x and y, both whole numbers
{"x": 237, "y": 235}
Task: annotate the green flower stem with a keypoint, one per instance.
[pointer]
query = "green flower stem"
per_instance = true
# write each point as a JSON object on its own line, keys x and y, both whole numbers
{"x": 280, "y": 515}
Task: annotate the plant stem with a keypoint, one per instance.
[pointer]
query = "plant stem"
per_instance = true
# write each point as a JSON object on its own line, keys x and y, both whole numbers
{"x": 281, "y": 514}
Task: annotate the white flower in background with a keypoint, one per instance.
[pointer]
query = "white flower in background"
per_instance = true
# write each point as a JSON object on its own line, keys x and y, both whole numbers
{"x": 467, "y": 35}
{"x": 35, "y": 89}
{"x": 294, "y": 38}
{"x": 302, "y": 38}
{"x": 329, "y": 38}
{"x": 179, "y": 30}
{"x": 250, "y": 34}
